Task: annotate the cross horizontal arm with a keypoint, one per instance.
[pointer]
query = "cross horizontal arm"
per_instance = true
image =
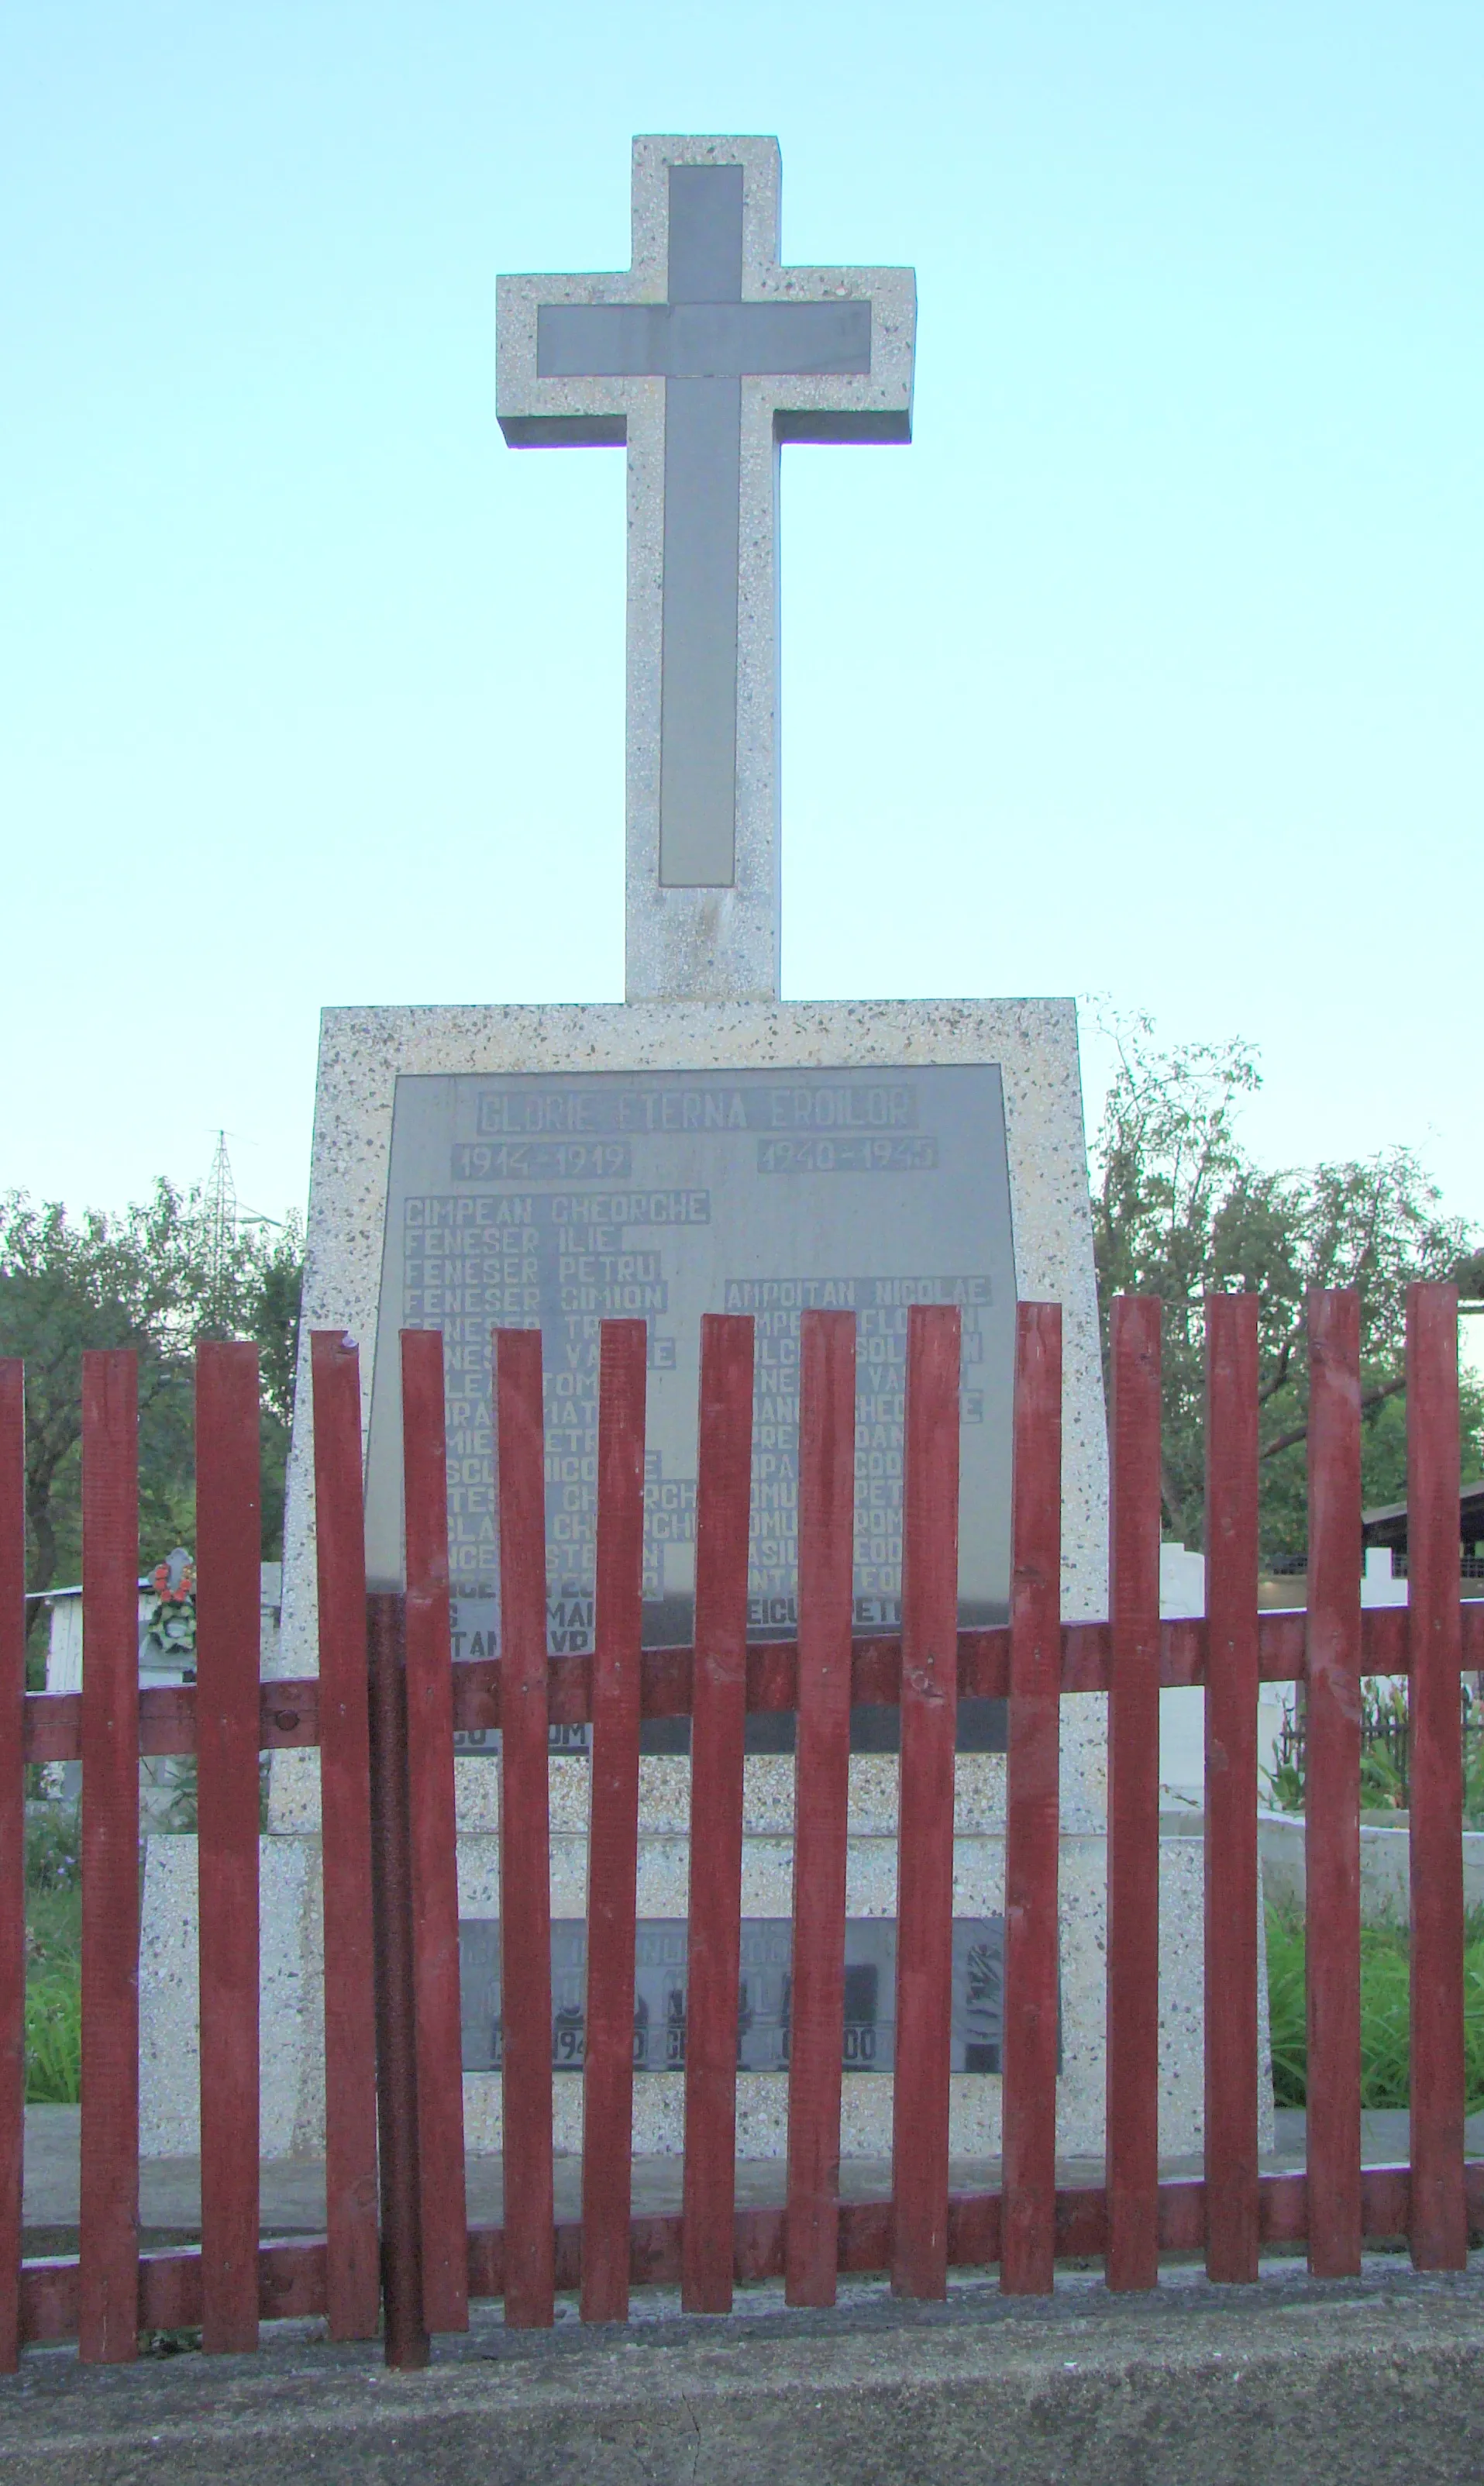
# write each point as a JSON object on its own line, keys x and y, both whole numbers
{"x": 702, "y": 340}
{"x": 819, "y": 425}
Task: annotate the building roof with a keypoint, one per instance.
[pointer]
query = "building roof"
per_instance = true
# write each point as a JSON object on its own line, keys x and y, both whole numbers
{"x": 1386, "y": 1525}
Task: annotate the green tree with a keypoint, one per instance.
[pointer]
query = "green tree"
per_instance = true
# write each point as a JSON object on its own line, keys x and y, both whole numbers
{"x": 272, "y": 1319}
{"x": 1180, "y": 1210}
{"x": 151, "y": 1280}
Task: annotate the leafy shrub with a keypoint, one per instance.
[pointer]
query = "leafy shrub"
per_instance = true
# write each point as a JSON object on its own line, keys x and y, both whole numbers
{"x": 177, "y": 1812}
{"x": 53, "y": 1847}
{"x": 53, "y": 1973}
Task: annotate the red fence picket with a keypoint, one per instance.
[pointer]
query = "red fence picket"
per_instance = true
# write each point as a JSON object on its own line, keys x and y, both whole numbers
{"x": 404, "y": 2329}
{"x": 1033, "y": 1810}
{"x": 444, "y": 2256}
{"x": 827, "y": 1361}
{"x": 353, "y": 2255}
{"x": 525, "y": 1870}
{"x": 392, "y": 2013}
{"x": 1332, "y": 1746}
{"x": 613, "y": 1830}
{"x": 718, "y": 1709}
{"x": 1231, "y": 1788}
{"x": 1134, "y": 1796}
{"x": 1438, "y": 2225}
{"x": 12, "y": 1847}
{"x": 925, "y": 1854}
{"x": 108, "y": 2211}
{"x": 227, "y": 1545}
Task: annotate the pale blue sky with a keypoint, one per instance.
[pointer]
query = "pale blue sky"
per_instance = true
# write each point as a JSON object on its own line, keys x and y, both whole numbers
{"x": 1151, "y": 669}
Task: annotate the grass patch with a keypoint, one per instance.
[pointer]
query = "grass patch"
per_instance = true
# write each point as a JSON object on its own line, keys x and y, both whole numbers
{"x": 1386, "y": 2011}
{"x": 53, "y": 1958}
{"x": 54, "y": 2038}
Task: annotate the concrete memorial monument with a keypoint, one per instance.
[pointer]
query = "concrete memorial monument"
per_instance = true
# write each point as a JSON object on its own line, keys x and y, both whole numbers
{"x": 703, "y": 1146}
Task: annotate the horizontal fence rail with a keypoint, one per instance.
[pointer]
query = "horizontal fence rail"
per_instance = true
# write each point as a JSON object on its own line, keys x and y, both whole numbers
{"x": 292, "y": 2284}
{"x": 400, "y": 2253}
{"x": 288, "y": 1706}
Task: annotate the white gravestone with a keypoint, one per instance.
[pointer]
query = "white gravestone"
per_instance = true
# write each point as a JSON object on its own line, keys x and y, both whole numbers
{"x": 705, "y": 1147}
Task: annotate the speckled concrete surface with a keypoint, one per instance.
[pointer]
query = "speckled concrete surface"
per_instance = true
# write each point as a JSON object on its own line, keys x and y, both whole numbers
{"x": 291, "y": 1989}
{"x": 292, "y": 2085}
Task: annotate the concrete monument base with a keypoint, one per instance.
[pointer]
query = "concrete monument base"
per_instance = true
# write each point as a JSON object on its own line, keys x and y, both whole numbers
{"x": 293, "y": 2076}
{"x": 1033, "y": 1045}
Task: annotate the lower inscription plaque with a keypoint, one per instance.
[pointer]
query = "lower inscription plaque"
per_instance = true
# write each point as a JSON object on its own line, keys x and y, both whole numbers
{"x": 763, "y": 2002}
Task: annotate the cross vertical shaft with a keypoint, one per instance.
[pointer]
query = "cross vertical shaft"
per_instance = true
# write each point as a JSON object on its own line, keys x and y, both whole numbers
{"x": 702, "y": 507}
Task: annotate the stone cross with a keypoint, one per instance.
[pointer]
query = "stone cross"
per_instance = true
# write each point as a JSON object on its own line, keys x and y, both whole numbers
{"x": 704, "y": 358}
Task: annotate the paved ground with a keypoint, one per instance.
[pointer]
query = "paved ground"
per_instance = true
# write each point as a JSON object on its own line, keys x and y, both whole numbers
{"x": 1288, "y": 2383}
{"x": 293, "y": 2190}
{"x": 1291, "y": 2381}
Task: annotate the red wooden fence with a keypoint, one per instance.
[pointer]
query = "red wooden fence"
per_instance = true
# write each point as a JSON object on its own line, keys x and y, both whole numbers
{"x": 382, "y": 1712}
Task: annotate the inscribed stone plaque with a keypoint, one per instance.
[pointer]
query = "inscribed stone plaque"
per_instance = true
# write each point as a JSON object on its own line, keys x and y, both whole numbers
{"x": 764, "y": 2001}
{"x": 557, "y": 1202}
